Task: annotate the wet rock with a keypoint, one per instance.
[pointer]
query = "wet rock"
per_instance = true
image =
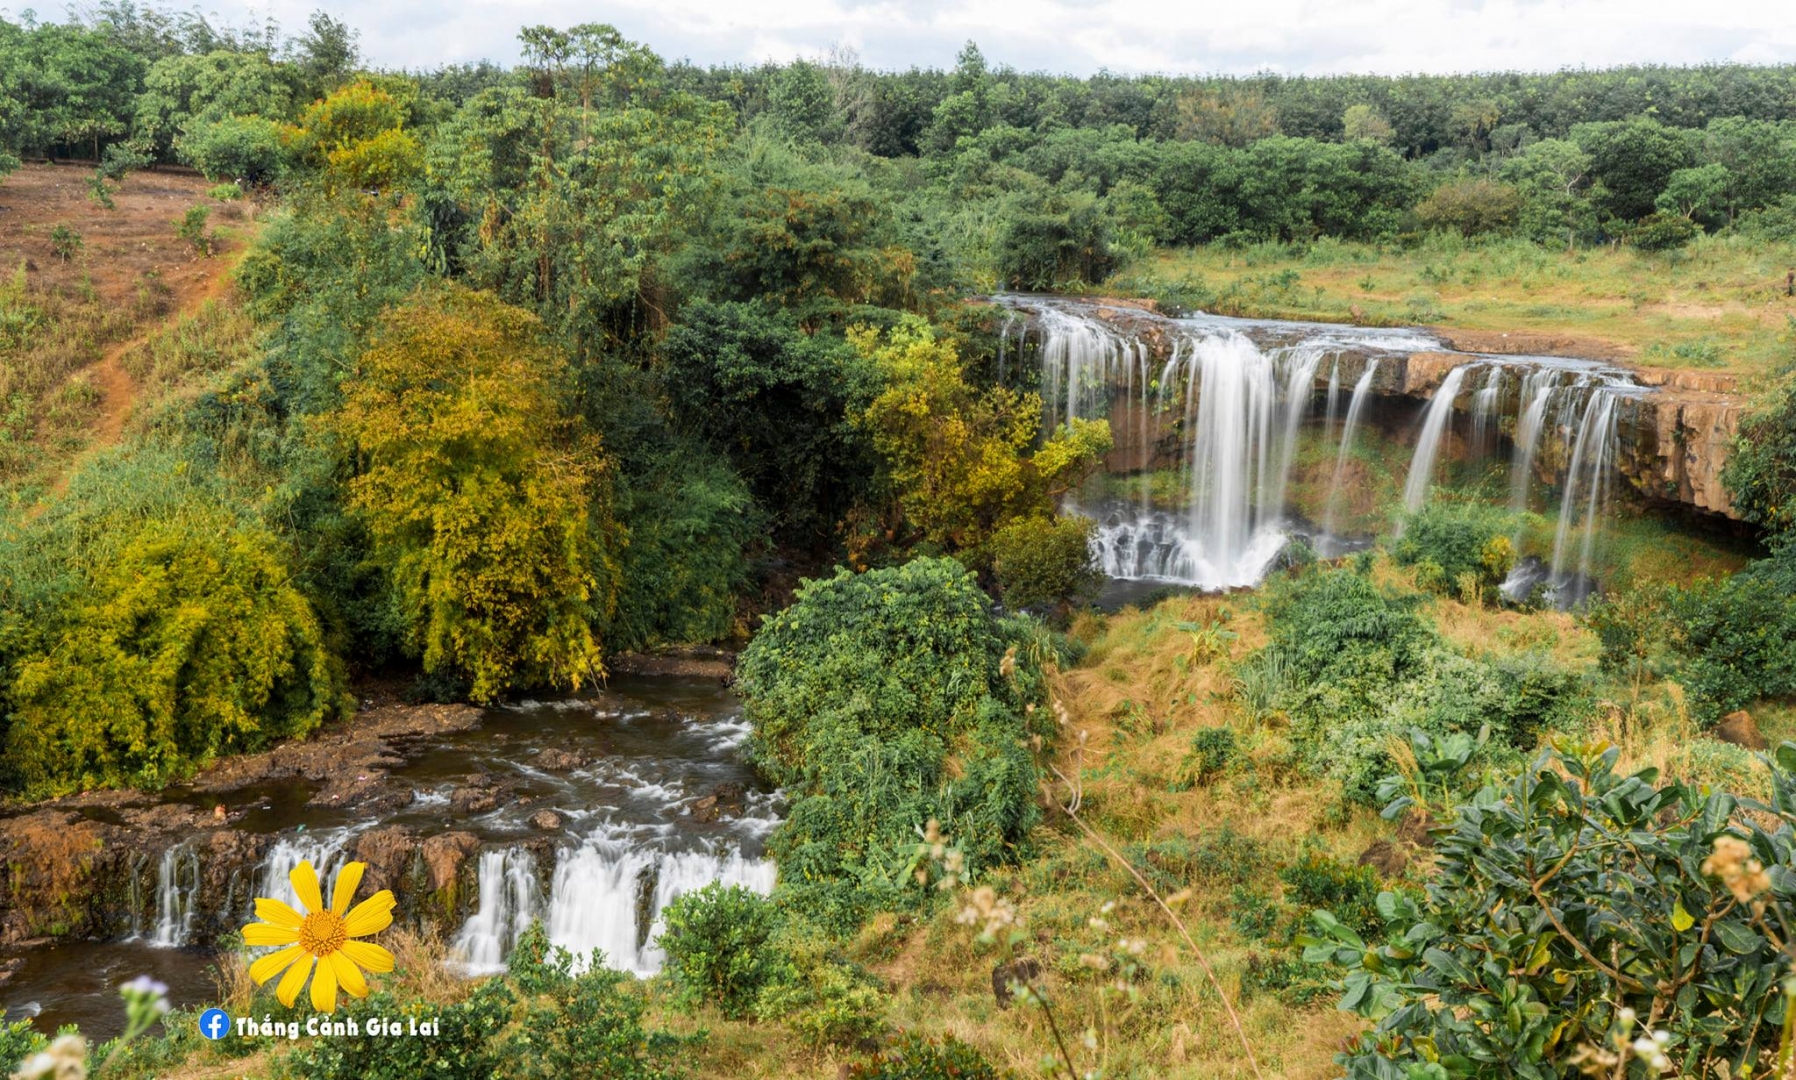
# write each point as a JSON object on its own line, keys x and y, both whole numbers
{"x": 474, "y": 798}
{"x": 1023, "y": 969}
{"x": 62, "y": 873}
{"x": 1385, "y": 857}
{"x": 388, "y": 852}
{"x": 546, "y": 820}
{"x": 703, "y": 661}
{"x": 705, "y": 810}
{"x": 444, "y": 854}
{"x": 553, "y": 760}
{"x": 1738, "y": 728}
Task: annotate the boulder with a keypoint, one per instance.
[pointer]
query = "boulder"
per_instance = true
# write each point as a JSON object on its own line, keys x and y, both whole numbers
{"x": 553, "y": 760}
{"x": 546, "y": 820}
{"x": 1385, "y": 857}
{"x": 1738, "y": 728}
{"x": 444, "y": 854}
{"x": 388, "y": 852}
{"x": 1023, "y": 969}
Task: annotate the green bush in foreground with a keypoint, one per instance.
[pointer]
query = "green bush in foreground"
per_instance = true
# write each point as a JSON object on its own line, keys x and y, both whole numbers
{"x": 883, "y": 700}
{"x": 1564, "y": 894}
{"x": 1044, "y": 561}
{"x": 915, "y": 1057}
{"x": 717, "y": 946}
{"x": 1458, "y": 549}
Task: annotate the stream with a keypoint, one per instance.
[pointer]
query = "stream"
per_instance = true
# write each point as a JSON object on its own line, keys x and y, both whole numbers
{"x": 639, "y": 824}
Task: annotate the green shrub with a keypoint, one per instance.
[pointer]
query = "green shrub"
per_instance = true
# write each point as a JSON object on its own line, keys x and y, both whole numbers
{"x": 911, "y": 1056}
{"x": 1213, "y": 750}
{"x": 65, "y": 242}
{"x": 18, "y": 1041}
{"x": 860, "y": 693}
{"x": 226, "y": 192}
{"x": 192, "y": 229}
{"x": 1562, "y": 894}
{"x": 1735, "y": 639}
{"x": 717, "y": 946}
{"x": 1760, "y": 472}
{"x": 587, "y": 1025}
{"x": 1660, "y": 231}
{"x": 1039, "y": 561}
{"x": 246, "y": 149}
{"x": 1450, "y": 542}
{"x": 186, "y": 642}
{"x": 463, "y": 1049}
{"x": 825, "y": 1004}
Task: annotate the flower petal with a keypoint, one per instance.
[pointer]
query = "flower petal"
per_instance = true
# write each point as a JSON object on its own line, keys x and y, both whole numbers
{"x": 349, "y": 977}
{"x": 261, "y": 933}
{"x": 275, "y": 962}
{"x": 324, "y": 987}
{"x": 343, "y": 890}
{"x": 371, "y": 916}
{"x": 369, "y": 956}
{"x": 273, "y": 911}
{"x": 288, "y": 990}
{"x": 305, "y": 886}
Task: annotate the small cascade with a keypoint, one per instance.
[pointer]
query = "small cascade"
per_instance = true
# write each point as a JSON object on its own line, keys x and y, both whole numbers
{"x": 1333, "y": 399}
{"x": 1585, "y": 496}
{"x": 609, "y": 894}
{"x": 1356, "y": 407}
{"x": 1536, "y": 393}
{"x": 509, "y": 900}
{"x": 1428, "y": 444}
{"x": 1081, "y": 361}
{"x": 323, "y": 849}
{"x": 177, "y": 890}
{"x": 1487, "y": 403}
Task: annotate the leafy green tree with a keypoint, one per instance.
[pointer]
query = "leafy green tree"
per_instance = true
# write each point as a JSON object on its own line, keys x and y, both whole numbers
{"x": 356, "y": 137}
{"x": 570, "y": 200}
{"x": 1364, "y": 122}
{"x": 1552, "y": 177}
{"x": 242, "y": 148}
{"x": 777, "y": 404}
{"x": 186, "y": 94}
{"x": 957, "y": 459}
{"x": 64, "y": 86}
{"x": 1697, "y": 194}
{"x": 803, "y": 101}
{"x": 1045, "y": 561}
{"x": 1633, "y": 160}
{"x": 487, "y": 509}
{"x": 1471, "y": 206}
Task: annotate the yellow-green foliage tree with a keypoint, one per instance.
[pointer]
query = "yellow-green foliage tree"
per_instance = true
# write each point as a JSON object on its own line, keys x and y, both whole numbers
{"x": 189, "y": 641}
{"x": 488, "y": 508}
{"x": 357, "y": 137}
{"x": 958, "y": 458}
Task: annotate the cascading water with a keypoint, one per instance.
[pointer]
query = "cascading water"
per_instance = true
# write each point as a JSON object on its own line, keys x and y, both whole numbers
{"x": 323, "y": 849}
{"x": 177, "y": 887}
{"x": 509, "y": 901}
{"x": 1487, "y": 403}
{"x": 1356, "y": 407}
{"x": 1428, "y": 444}
{"x": 1587, "y": 482}
{"x": 609, "y": 893}
{"x": 1536, "y": 393}
{"x": 1333, "y": 399}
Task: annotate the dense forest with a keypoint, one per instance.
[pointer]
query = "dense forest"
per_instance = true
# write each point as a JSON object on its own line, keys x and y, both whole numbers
{"x": 530, "y": 367}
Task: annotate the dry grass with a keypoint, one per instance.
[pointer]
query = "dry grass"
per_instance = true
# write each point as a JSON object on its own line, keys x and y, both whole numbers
{"x": 1721, "y": 303}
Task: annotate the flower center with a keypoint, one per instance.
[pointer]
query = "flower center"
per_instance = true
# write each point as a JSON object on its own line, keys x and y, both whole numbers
{"x": 322, "y": 933}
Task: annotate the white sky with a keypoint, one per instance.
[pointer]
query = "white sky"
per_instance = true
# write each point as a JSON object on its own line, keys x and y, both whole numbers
{"x": 1084, "y": 36}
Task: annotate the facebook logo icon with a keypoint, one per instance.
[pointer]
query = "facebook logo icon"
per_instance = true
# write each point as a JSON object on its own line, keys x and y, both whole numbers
{"x": 215, "y": 1023}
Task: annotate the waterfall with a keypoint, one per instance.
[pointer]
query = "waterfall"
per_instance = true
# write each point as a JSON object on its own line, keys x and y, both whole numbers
{"x": 177, "y": 888}
{"x": 1081, "y": 359}
{"x": 1356, "y": 406}
{"x": 1586, "y": 487}
{"x": 508, "y": 900}
{"x": 1486, "y": 402}
{"x": 1428, "y": 445}
{"x": 1537, "y": 391}
{"x": 1333, "y": 399}
{"x": 608, "y": 894}
{"x": 323, "y": 849}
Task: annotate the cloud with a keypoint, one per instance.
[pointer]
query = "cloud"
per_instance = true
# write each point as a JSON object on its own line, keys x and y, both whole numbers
{"x": 1084, "y": 36}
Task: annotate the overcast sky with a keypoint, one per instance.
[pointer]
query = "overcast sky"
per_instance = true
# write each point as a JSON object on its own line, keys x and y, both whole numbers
{"x": 1084, "y": 36}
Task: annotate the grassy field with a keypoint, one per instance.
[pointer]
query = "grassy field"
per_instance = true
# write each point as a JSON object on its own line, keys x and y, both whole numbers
{"x": 1720, "y": 304}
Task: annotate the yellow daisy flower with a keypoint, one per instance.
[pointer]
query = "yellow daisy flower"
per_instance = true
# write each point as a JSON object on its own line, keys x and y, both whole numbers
{"x": 322, "y": 935}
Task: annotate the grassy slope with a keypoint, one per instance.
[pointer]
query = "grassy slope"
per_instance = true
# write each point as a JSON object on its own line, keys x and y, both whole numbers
{"x": 1719, "y": 304}
{"x": 74, "y": 333}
